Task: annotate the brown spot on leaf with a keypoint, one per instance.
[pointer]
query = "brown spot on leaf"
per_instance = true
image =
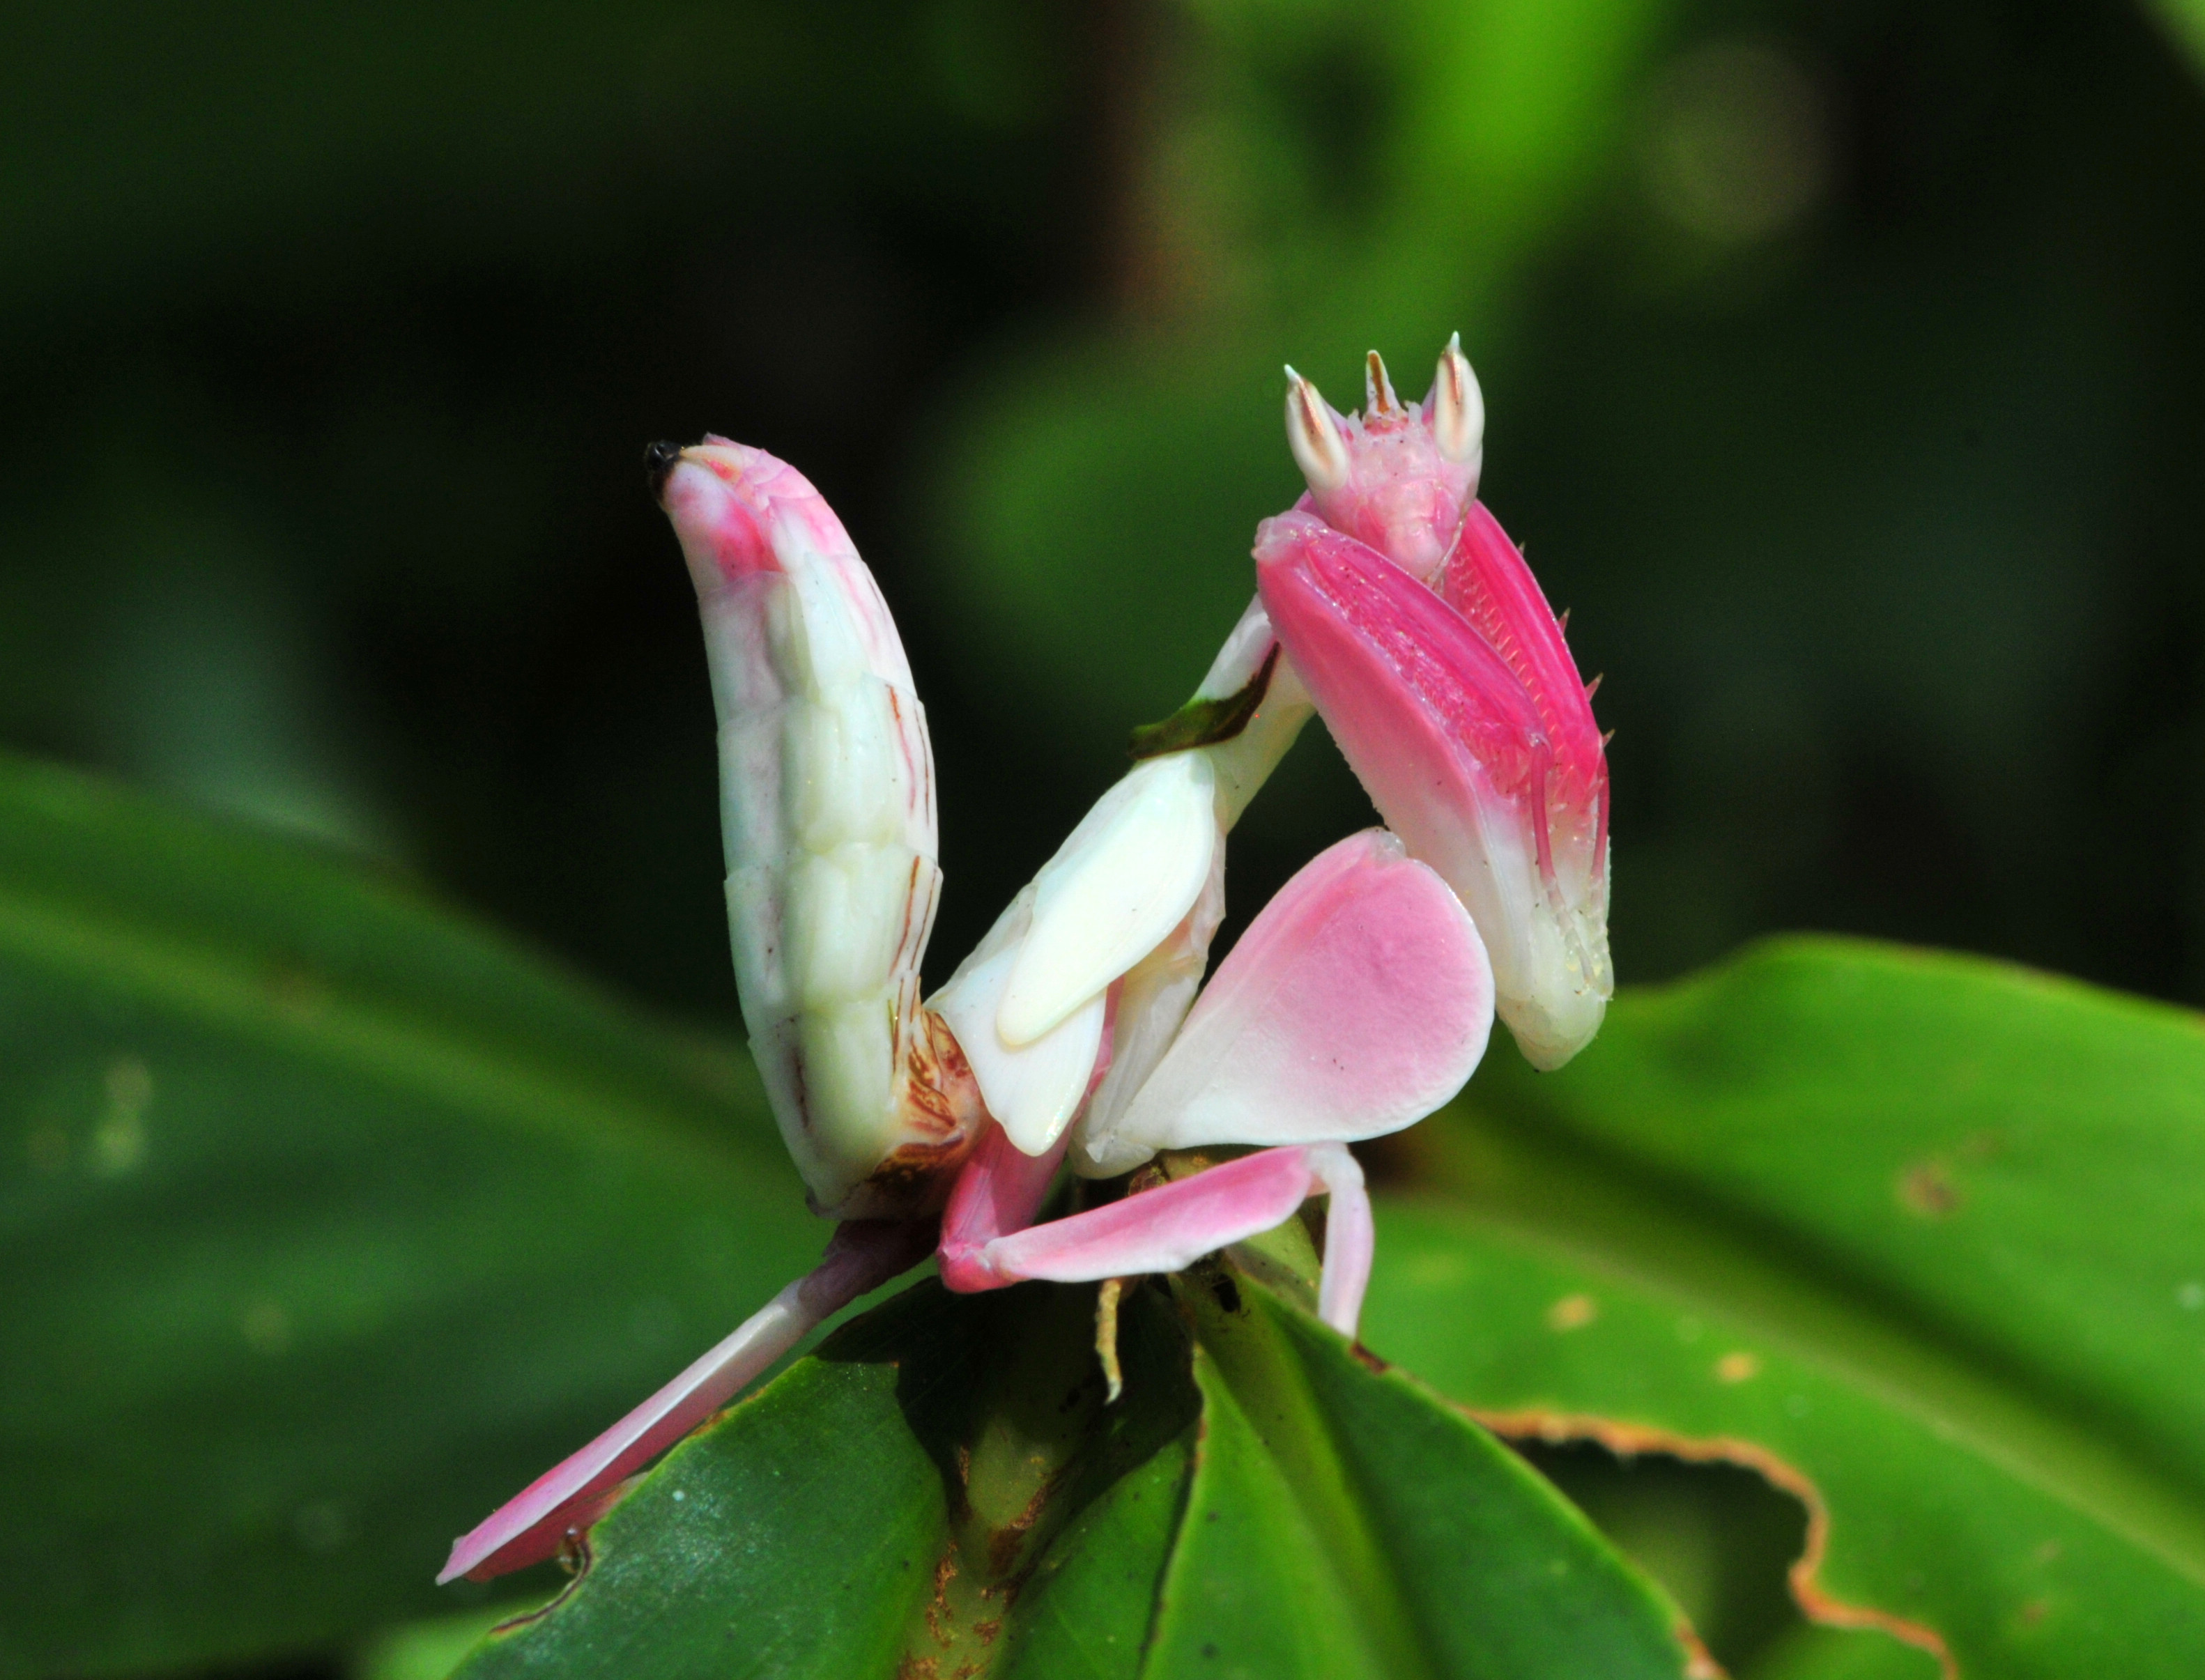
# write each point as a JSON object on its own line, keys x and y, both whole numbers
{"x": 1003, "y": 1545}
{"x": 939, "y": 1616}
{"x": 1927, "y": 1190}
{"x": 1739, "y": 1367}
{"x": 1628, "y": 1440}
{"x": 1700, "y": 1663}
{"x": 1572, "y": 1312}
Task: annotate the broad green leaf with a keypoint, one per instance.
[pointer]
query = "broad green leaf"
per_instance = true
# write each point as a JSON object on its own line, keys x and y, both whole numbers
{"x": 1342, "y": 1523}
{"x": 326, "y": 1222}
{"x": 943, "y": 1490}
{"x": 1915, "y": 1235}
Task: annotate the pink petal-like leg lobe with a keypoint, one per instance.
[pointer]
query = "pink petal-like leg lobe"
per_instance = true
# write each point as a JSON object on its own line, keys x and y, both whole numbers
{"x": 999, "y": 1191}
{"x": 1487, "y": 582}
{"x": 1168, "y": 1229}
{"x": 573, "y": 1494}
{"x": 1357, "y": 1002}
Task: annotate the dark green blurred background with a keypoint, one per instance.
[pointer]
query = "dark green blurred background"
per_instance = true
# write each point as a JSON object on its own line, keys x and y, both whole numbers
{"x": 1844, "y": 362}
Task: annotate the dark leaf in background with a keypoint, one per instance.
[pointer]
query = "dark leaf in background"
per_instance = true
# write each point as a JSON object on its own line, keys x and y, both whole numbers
{"x": 326, "y": 1222}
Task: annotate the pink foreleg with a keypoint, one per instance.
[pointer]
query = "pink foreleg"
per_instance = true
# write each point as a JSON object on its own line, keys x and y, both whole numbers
{"x": 863, "y": 1255}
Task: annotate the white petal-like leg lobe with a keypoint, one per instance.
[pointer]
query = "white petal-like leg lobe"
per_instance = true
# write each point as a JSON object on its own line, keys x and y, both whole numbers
{"x": 1359, "y": 1001}
{"x": 1152, "y": 1001}
{"x": 535, "y": 1524}
{"x": 1034, "y": 1089}
{"x": 1128, "y": 873}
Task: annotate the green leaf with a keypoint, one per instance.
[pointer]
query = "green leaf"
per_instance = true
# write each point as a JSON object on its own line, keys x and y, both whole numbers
{"x": 942, "y": 1490}
{"x": 1915, "y": 1235}
{"x": 326, "y": 1222}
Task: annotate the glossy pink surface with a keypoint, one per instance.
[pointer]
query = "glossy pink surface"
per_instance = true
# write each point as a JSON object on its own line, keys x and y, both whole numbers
{"x": 1415, "y": 695}
{"x": 1166, "y": 1229}
{"x": 1357, "y": 1002}
{"x": 728, "y": 497}
{"x": 1487, "y": 582}
{"x": 1000, "y": 1190}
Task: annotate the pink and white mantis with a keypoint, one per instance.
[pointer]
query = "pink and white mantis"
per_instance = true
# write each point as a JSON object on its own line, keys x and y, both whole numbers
{"x": 1357, "y": 1002}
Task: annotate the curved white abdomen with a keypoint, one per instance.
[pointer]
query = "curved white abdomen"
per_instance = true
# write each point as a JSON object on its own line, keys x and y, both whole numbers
{"x": 828, "y": 817}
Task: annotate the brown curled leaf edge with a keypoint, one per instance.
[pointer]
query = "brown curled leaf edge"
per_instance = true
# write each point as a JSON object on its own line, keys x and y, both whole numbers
{"x": 1629, "y": 1441}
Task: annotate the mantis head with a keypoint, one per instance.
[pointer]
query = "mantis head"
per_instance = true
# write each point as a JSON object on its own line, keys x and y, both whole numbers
{"x": 1398, "y": 477}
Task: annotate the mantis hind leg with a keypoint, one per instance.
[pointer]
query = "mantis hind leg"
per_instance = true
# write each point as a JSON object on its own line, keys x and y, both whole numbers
{"x": 570, "y": 1496}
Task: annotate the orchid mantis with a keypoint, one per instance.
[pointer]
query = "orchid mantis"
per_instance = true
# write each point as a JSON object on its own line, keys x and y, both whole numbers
{"x": 1079, "y": 1032}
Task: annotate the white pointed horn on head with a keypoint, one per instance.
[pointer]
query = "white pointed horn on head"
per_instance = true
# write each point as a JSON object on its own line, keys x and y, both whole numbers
{"x": 1458, "y": 406}
{"x": 1319, "y": 449}
{"x": 1378, "y": 396}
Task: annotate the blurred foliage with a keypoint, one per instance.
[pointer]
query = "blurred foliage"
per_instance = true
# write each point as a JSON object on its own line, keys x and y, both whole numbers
{"x": 1841, "y": 360}
{"x": 1844, "y": 376}
{"x": 1910, "y": 1235}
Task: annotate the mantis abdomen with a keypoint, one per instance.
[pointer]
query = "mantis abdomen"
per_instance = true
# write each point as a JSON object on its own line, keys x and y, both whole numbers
{"x": 828, "y": 818}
